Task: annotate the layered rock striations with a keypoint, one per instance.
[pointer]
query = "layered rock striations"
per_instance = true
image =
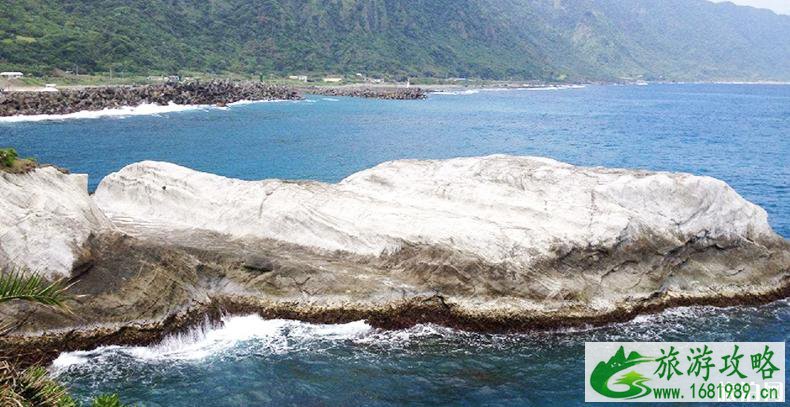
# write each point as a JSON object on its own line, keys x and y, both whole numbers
{"x": 486, "y": 243}
{"x": 546, "y": 234}
{"x": 46, "y": 220}
{"x": 501, "y": 209}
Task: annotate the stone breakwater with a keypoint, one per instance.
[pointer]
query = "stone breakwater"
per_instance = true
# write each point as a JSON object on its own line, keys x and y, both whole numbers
{"x": 111, "y": 97}
{"x": 382, "y": 92}
{"x": 494, "y": 243}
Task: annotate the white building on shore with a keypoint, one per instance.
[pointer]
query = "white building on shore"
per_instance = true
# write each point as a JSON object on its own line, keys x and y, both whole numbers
{"x": 11, "y": 75}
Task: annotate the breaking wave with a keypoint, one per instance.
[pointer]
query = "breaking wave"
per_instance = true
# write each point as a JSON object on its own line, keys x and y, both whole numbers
{"x": 141, "y": 110}
{"x": 457, "y": 92}
{"x": 241, "y": 336}
{"x": 149, "y": 109}
{"x": 559, "y": 87}
{"x": 270, "y": 336}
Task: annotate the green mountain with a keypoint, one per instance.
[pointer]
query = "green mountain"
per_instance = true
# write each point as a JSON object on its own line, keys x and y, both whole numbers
{"x": 491, "y": 39}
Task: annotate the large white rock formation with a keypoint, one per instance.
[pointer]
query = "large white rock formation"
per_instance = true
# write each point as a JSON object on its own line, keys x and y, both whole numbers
{"x": 502, "y": 209}
{"x": 486, "y": 242}
{"x": 46, "y": 217}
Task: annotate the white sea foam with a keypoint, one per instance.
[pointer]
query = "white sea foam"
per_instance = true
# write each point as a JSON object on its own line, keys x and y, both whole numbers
{"x": 252, "y": 102}
{"x": 330, "y": 99}
{"x": 268, "y": 337}
{"x": 274, "y": 336}
{"x": 141, "y": 110}
{"x": 260, "y": 336}
{"x": 510, "y": 89}
{"x": 458, "y": 92}
{"x": 530, "y": 88}
{"x": 126, "y": 111}
{"x": 559, "y": 87}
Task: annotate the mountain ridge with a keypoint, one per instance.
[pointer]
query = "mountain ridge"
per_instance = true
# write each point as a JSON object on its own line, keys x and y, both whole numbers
{"x": 490, "y": 39}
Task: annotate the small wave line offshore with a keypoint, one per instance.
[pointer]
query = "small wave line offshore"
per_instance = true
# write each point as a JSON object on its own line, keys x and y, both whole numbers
{"x": 509, "y": 89}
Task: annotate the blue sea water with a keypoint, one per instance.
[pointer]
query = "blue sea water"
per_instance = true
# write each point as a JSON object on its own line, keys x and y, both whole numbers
{"x": 737, "y": 133}
{"x": 252, "y": 362}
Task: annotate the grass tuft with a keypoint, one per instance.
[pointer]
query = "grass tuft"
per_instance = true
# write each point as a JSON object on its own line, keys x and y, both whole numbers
{"x": 10, "y": 162}
{"x": 31, "y": 387}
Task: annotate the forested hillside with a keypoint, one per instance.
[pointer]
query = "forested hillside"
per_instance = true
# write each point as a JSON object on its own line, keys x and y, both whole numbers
{"x": 491, "y": 39}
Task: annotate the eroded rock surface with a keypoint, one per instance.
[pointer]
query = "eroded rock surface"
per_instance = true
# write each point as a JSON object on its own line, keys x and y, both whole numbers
{"x": 486, "y": 243}
{"x": 500, "y": 233}
{"x": 502, "y": 209}
{"x": 46, "y": 217}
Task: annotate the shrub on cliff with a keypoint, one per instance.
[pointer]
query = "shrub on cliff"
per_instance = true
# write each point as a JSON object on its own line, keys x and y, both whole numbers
{"x": 8, "y": 156}
{"x": 10, "y": 162}
{"x": 107, "y": 400}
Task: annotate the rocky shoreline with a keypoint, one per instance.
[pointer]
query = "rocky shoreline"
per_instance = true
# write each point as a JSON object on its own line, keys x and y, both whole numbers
{"x": 492, "y": 244}
{"x": 377, "y": 92}
{"x": 40, "y": 348}
{"x": 219, "y": 92}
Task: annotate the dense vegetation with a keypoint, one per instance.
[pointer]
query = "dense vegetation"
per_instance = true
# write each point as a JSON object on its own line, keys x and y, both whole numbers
{"x": 32, "y": 386}
{"x": 494, "y": 39}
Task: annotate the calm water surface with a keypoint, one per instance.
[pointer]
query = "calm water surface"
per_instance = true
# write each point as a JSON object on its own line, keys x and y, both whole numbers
{"x": 737, "y": 133}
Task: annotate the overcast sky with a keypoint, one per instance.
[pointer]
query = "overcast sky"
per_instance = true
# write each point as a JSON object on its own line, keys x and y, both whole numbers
{"x": 779, "y": 6}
